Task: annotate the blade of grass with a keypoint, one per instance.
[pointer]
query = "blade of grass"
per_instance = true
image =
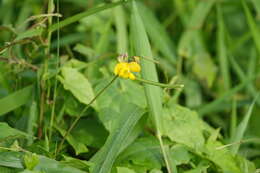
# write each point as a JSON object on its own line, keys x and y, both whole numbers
{"x": 222, "y": 52}
{"x": 153, "y": 93}
{"x": 32, "y": 119}
{"x": 216, "y": 103}
{"x": 242, "y": 76}
{"x": 158, "y": 34}
{"x": 121, "y": 28}
{"x": 79, "y": 16}
{"x": 257, "y": 6}
{"x": 15, "y": 100}
{"x": 240, "y": 131}
{"x": 233, "y": 122}
{"x": 104, "y": 159}
{"x": 252, "y": 25}
{"x": 192, "y": 26}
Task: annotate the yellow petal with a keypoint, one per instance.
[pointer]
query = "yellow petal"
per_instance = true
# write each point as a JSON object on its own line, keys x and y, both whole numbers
{"x": 134, "y": 67}
{"x": 131, "y": 76}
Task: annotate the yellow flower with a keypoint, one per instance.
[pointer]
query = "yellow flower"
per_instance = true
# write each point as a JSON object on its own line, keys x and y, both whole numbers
{"x": 124, "y": 69}
{"x": 134, "y": 66}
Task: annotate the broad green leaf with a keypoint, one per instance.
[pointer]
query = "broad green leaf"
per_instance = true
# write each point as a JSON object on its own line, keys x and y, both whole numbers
{"x": 104, "y": 159}
{"x": 9, "y": 132}
{"x": 79, "y": 16}
{"x": 193, "y": 93}
{"x": 122, "y": 91}
{"x": 53, "y": 166}
{"x": 79, "y": 147}
{"x": 14, "y": 160}
{"x": 90, "y": 132}
{"x": 76, "y": 163}
{"x": 180, "y": 154}
{"x": 124, "y": 170}
{"x": 29, "y": 33}
{"x": 222, "y": 157}
{"x": 77, "y": 84}
{"x": 11, "y": 159}
{"x": 15, "y": 100}
{"x": 144, "y": 152}
{"x": 183, "y": 126}
{"x": 198, "y": 169}
{"x": 205, "y": 68}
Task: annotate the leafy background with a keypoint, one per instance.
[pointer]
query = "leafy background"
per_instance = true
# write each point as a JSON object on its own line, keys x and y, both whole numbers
{"x": 56, "y": 56}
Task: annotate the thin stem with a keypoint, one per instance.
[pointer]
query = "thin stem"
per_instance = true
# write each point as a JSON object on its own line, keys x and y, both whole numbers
{"x": 176, "y": 86}
{"x": 56, "y": 83}
{"x": 168, "y": 166}
{"x": 82, "y": 112}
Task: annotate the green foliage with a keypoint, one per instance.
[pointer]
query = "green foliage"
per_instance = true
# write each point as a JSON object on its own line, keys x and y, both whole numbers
{"x": 63, "y": 110}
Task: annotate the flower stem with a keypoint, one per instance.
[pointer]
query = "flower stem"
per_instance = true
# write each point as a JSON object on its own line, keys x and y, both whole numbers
{"x": 172, "y": 86}
{"x": 82, "y": 112}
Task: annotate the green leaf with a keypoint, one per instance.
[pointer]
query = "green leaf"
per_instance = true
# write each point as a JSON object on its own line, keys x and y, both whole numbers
{"x": 214, "y": 105}
{"x": 257, "y": 6}
{"x": 153, "y": 93}
{"x": 11, "y": 159}
{"x": 158, "y": 34}
{"x": 144, "y": 152}
{"x": 77, "y": 84}
{"x": 124, "y": 170}
{"x": 10, "y": 132}
{"x": 30, "y": 160}
{"x": 77, "y": 146}
{"x": 205, "y": 68}
{"x": 122, "y": 91}
{"x": 104, "y": 159}
{"x": 14, "y": 160}
{"x": 15, "y": 100}
{"x": 190, "y": 40}
{"x": 79, "y": 16}
{"x": 90, "y": 132}
{"x": 179, "y": 154}
{"x": 29, "y": 33}
{"x": 121, "y": 27}
{"x": 183, "y": 126}
{"x": 222, "y": 50}
{"x": 222, "y": 157}
{"x": 53, "y": 166}
{"x": 198, "y": 169}
{"x": 252, "y": 25}
{"x": 76, "y": 163}
{"x": 241, "y": 128}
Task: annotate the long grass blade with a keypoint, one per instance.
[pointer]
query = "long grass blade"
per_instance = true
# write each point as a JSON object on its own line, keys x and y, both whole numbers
{"x": 223, "y": 59}
{"x": 252, "y": 25}
{"x": 153, "y": 93}
{"x": 15, "y": 100}
{"x": 240, "y": 131}
{"x": 79, "y": 16}
{"x": 216, "y": 103}
{"x": 104, "y": 159}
